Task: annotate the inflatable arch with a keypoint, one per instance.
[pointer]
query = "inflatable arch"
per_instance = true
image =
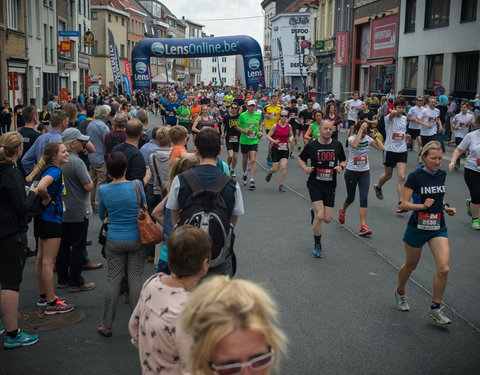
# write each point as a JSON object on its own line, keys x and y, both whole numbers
{"x": 201, "y": 47}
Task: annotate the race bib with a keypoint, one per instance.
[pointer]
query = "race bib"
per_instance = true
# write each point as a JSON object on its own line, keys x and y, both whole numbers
{"x": 170, "y": 113}
{"x": 428, "y": 221}
{"x": 463, "y": 124}
{"x": 398, "y": 136}
{"x": 432, "y": 119}
{"x": 283, "y": 147}
{"x": 360, "y": 161}
{"x": 324, "y": 174}
{"x": 353, "y": 107}
{"x": 478, "y": 163}
{"x": 251, "y": 134}
{"x": 308, "y": 122}
{"x": 270, "y": 115}
{"x": 233, "y": 139}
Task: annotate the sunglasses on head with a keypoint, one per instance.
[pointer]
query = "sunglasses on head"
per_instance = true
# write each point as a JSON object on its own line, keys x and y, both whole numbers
{"x": 256, "y": 364}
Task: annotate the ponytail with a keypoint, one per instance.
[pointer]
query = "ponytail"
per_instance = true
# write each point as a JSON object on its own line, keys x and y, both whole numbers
{"x": 9, "y": 143}
{"x": 51, "y": 150}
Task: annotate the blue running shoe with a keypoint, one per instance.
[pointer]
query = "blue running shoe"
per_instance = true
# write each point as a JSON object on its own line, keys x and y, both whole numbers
{"x": 269, "y": 162}
{"x": 317, "y": 252}
{"x": 2, "y": 329}
{"x": 22, "y": 339}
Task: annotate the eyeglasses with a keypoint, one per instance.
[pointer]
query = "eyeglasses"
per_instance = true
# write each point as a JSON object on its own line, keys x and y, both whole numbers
{"x": 235, "y": 108}
{"x": 256, "y": 364}
{"x": 283, "y": 115}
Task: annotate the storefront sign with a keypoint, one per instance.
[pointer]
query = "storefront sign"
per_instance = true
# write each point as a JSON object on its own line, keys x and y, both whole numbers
{"x": 64, "y": 94}
{"x": 341, "y": 53}
{"x": 65, "y": 46}
{"x": 319, "y": 45}
{"x": 88, "y": 39}
{"x": 69, "y": 33}
{"x": 67, "y": 66}
{"x": 383, "y": 39}
{"x": 298, "y": 20}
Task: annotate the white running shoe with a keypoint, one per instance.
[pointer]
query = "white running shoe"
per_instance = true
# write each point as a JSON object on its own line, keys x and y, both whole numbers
{"x": 438, "y": 316}
{"x": 401, "y": 302}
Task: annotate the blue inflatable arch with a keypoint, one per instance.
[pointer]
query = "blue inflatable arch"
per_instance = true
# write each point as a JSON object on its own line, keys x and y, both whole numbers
{"x": 201, "y": 47}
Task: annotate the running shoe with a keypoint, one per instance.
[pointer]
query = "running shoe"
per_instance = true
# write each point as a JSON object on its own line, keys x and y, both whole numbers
{"x": 282, "y": 188}
{"x": 269, "y": 162}
{"x": 2, "y": 329}
{"x": 244, "y": 178}
{"x": 468, "y": 202}
{"x": 22, "y": 339}
{"x": 438, "y": 316}
{"x": 41, "y": 302}
{"x": 232, "y": 173}
{"x": 341, "y": 216}
{"x": 251, "y": 185}
{"x": 475, "y": 224}
{"x": 317, "y": 252}
{"x": 378, "y": 192}
{"x": 401, "y": 302}
{"x": 299, "y": 147}
{"x": 291, "y": 156}
{"x": 365, "y": 231}
{"x": 268, "y": 177}
{"x": 59, "y": 308}
{"x": 312, "y": 216}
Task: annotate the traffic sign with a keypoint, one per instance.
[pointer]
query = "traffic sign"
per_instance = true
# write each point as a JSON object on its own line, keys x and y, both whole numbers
{"x": 304, "y": 44}
{"x": 70, "y": 33}
{"x": 320, "y": 45}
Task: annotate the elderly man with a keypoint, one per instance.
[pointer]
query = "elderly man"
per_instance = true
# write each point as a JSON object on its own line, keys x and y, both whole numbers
{"x": 75, "y": 218}
{"x": 96, "y": 130}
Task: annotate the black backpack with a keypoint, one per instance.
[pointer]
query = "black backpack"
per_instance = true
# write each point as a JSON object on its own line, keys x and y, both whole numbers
{"x": 206, "y": 209}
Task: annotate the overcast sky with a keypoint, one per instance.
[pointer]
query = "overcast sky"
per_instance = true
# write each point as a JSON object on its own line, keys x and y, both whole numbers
{"x": 202, "y": 10}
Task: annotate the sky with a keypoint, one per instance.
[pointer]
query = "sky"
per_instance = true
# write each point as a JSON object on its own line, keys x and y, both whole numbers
{"x": 202, "y": 10}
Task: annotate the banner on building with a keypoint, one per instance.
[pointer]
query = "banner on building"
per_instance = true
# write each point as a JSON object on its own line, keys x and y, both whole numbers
{"x": 128, "y": 71}
{"x": 114, "y": 59}
{"x": 282, "y": 63}
{"x": 127, "y": 84}
{"x": 66, "y": 46}
{"x": 341, "y": 49}
{"x": 383, "y": 37}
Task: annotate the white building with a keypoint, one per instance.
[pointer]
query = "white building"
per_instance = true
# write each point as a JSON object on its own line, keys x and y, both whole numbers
{"x": 216, "y": 68}
{"x": 440, "y": 43}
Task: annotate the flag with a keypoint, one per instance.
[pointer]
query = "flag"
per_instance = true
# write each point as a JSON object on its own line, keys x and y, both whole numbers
{"x": 117, "y": 78}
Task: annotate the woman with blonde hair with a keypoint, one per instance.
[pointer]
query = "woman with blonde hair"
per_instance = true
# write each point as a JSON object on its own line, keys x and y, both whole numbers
{"x": 14, "y": 205}
{"x": 72, "y": 112}
{"x": 48, "y": 225}
{"x": 233, "y": 324}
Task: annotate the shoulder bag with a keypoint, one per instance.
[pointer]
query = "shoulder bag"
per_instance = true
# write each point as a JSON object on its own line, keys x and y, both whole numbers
{"x": 150, "y": 233}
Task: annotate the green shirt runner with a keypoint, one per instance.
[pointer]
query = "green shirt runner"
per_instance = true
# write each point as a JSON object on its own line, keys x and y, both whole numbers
{"x": 252, "y": 123}
{"x": 184, "y": 114}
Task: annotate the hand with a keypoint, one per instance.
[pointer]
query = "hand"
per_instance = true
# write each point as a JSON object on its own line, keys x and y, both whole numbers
{"x": 363, "y": 126}
{"x": 277, "y": 141}
{"x": 451, "y": 166}
{"x": 450, "y": 210}
{"x": 46, "y": 201}
{"x": 338, "y": 168}
{"x": 428, "y": 126}
{"x": 409, "y": 137}
{"x": 308, "y": 170}
{"x": 34, "y": 189}
{"x": 148, "y": 173}
{"x": 260, "y": 134}
{"x": 428, "y": 202}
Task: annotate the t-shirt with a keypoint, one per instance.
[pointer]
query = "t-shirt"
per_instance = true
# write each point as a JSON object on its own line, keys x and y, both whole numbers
{"x": 177, "y": 152}
{"x": 184, "y": 114}
{"x": 472, "y": 142}
{"x": 56, "y": 190}
{"x": 429, "y": 116}
{"x": 19, "y": 112}
{"x": 323, "y": 158}
{"x": 413, "y": 113}
{"x": 171, "y": 109}
{"x": 77, "y": 201}
{"x": 358, "y": 156}
{"x": 307, "y": 117}
{"x": 292, "y": 115}
{"x": 353, "y": 108}
{"x": 230, "y": 122}
{"x": 136, "y": 167}
{"x": 427, "y": 185}
{"x": 396, "y": 130}
{"x": 29, "y": 136}
{"x": 272, "y": 115}
{"x": 462, "y": 121}
{"x": 251, "y": 122}
{"x": 368, "y": 115}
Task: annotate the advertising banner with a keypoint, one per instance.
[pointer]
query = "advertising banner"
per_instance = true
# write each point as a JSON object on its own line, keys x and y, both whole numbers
{"x": 341, "y": 49}
{"x": 383, "y": 39}
{"x": 127, "y": 84}
{"x": 128, "y": 71}
{"x": 114, "y": 59}
{"x": 282, "y": 62}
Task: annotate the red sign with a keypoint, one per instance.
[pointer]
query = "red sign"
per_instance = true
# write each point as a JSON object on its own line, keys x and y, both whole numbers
{"x": 128, "y": 71}
{"x": 383, "y": 38}
{"x": 13, "y": 84}
{"x": 88, "y": 81}
{"x": 64, "y": 94}
{"x": 304, "y": 44}
{"x": 341, "y": 52}
{"x": 65, "y": 46}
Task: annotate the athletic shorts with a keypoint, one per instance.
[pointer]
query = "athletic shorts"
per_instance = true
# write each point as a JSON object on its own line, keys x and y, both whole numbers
{"x": 279, "y": 154}
{"x": 414, "y": 133}
{"x": 46, "y": 229}
{"x": 416, "y": 238}
{"x": 319, "y": 192}
{"x": 187, "y": 126}
{"x": 428, "y": 138}
{"x": 472, "y": 179}
{"x": 247, "y": 148}
{"x": 12, "y": 260}
{"x": 232, "y": 145}
{"x": 390, "y": 159}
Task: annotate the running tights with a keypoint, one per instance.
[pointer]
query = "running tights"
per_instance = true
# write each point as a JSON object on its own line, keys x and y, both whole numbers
{"x": 362, "y": 179}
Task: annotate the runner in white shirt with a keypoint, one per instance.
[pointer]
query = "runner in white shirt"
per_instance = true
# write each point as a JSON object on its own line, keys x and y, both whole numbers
{"x": 462, "y": 123}
{"x": 352, "y": 107}
{"x": 413, "y": 126}
{"x": 395, "y": 154}
{"x": 357, "y": 172}
{"x": 219, "y": 98}
{"x": 429, "y": 118}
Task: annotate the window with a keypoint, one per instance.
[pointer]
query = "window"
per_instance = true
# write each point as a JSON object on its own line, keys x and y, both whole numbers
{"x": 224, "y": 79}
{"x": 95, "y": 48}
{"x": 52, "y": 44}
{"x": 79, "y": 6}
{"x": 411, "y": 69}
{"x": 466, "y": 68}
{"x": 123, "y": 21}
{"x": 214, "y": 69}
{"x": 12, "y": 10}
{"x": 410, "y": 12}
{"x": 434, "y": 70}
{"x": 122, "y": 50}
{"x": 45, "y": 41}
{"x": 109, "y": 17}
{"x": 224, "y": 69}
{"x": 94, "y": 15}
{"x": 469, "y": 10}
{"x": 214, "y": 59}
{"x": 437, "y": 13}
{"x": 116, "y": 19}
{"x": 224, "y": 59}
{"x": 213, "y": 79}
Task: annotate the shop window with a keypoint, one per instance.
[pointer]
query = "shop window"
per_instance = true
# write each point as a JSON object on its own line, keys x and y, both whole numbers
{"x": 469, "y": 10}
{"x": 466, "y": 68}
{"x": 382, "y": 78}
{"x": 410, "y": 15}
{"x": 411, "y": 70}
{"x": 437, "y": 13}
{"x": 434, "y": 70}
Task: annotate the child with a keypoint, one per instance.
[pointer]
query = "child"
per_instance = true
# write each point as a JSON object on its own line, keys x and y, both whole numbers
{"x": 179, "y": 137}
{"x": 152, "y": 324}
{"x": 160, "y": 161}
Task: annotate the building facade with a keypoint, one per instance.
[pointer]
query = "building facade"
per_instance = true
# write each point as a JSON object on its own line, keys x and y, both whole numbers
{"x": 218, "y": 68}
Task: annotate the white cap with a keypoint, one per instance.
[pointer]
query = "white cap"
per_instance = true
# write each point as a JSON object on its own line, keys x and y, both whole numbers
{"x": 251, "y": 102}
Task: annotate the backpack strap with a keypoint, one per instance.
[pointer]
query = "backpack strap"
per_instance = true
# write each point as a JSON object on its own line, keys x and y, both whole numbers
{"x": 155, "y": 167}
{"x": 138, "y": 192}
{"x": 220, "y": 184}
{"x": 192, "y": 181}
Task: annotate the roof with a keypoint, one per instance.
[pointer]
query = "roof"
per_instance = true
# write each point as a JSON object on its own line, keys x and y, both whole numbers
{"x": 295, "y": 7}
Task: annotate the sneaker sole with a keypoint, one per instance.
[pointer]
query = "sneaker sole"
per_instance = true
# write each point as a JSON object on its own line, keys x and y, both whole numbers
{"x": 365, "y": 233}
{"x": 435, "y": 319}
{"x": 57, "y": 312}
{"x": 400, "y": 309}
{"x": 7, "y": 346}
{"x": 317, "y": 256}
{"x": 378, "y": 195}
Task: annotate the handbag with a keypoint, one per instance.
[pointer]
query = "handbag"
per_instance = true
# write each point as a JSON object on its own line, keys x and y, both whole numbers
{"x": 150, "y": 233}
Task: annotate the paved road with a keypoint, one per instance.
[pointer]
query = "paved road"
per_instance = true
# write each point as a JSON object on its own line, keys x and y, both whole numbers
{"x": 337, "y": 311}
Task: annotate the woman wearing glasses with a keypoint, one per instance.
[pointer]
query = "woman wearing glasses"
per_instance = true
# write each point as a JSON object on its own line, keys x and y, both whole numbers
{"x": 233, "y": 324}
{"x": 280, "y": 135}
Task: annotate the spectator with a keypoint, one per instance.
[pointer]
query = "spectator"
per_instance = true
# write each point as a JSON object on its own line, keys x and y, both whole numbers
{"x": 117, "y": 135}
{"x": 6, "y": 117}
{"x": 72, "y": 112}
{"x": 142, "y": 116}
{"x": 18, "y": 110}
{"x": 13, "y": 238}
{"x": 124, "y": 251}
{"x": 28, "y": 132}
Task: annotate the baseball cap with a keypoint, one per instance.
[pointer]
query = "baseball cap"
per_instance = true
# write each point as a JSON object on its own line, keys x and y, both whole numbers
{"x": 71, "y": 134}
{"x": 251, "y": 102}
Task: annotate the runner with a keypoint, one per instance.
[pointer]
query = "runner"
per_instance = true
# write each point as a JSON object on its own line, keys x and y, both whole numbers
{"x": 249, "y": 124}
{"x": 461, "y": 123}
{"x": 352, "y": 107}
{"x": 395, "y": 154}
{"x": 332, "y": 115}
{"x": 203, "y": 120}
{"x": 358, "y": 172}
{"x": 272, "y": 116}
{"x": 292, "y": 114}
{"x": 313, "y": 131}
{"x": 429, "y": 118}
{"x": 305, "y": 118}
{"x": 183, "y": 115}
{"x": 327, "y": 158}
{"x": 426, "y": 225}
{"x": 413, "y": 126}
{"x": 232, "y": 137}
{"x": 280, "y": 135}
{"x": 471, "y": 142}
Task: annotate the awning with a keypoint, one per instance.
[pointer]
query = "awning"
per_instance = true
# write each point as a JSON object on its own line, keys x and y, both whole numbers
{"x": 162, "y": 78}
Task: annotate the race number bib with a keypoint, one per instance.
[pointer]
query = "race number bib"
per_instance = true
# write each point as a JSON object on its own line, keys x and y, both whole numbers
{"x": 463, "y": 124}
{"x": 251, "y": 134}
{"x": 360, "y": 161}
{"x": 170, "y": 113}
{"x": 325, "y": 174}
{"x": 308, "y": 122}
{"x": 270, "y": 115}
{"x": 428, "y": 221}
{"x": 398, "y": 136}
{"x": 478, "y": 163}
{"x": 431, "y": 119}
{"x": 233, "y": 139}
{"x": 282, "y": 147}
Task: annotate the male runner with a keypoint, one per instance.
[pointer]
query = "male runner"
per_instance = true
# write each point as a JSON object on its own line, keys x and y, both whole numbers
{"x": 414, "y": 127}
{"x": 305, "y": 118}
{"x": 232, "y": 136}
{"x": 352, "y": 107}
{"x": 429, "y": 118}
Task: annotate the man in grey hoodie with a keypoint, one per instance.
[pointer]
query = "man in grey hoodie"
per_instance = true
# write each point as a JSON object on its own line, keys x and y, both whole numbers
{"x": 160, "y": 162}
